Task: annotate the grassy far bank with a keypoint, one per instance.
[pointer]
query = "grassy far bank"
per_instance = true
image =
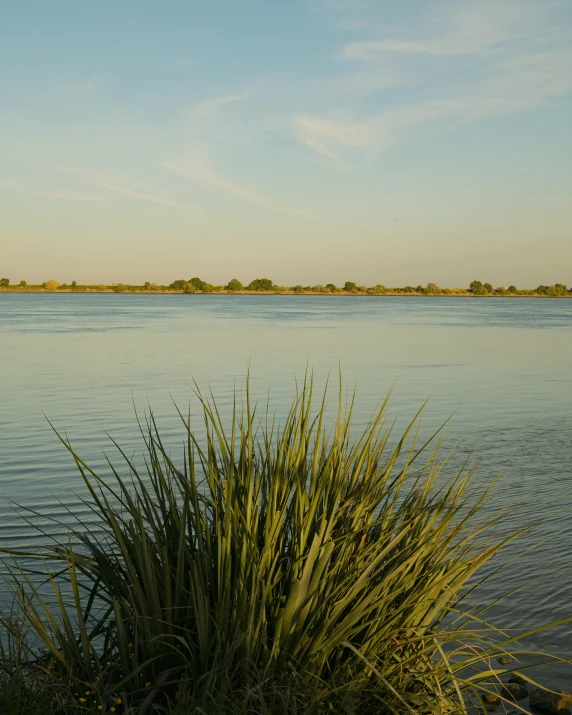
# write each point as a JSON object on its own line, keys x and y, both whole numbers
{"x": 267, "y": 286}
{"x": 292, "y": 569}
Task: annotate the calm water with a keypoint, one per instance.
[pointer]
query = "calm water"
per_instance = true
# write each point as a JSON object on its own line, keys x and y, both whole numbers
{"x": 84, "y": 361}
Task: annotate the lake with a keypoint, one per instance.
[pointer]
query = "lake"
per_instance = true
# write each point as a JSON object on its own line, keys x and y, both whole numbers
{"x": 504, "y": 366}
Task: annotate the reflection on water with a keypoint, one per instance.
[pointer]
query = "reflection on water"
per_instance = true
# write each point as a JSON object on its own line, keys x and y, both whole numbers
{"x": 83, "y": 361}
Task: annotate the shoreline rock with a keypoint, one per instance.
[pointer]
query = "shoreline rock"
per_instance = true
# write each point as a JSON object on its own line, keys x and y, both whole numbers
{"x": 556, "y": 703}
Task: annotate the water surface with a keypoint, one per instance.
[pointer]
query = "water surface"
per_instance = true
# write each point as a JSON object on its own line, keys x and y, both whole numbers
{"x": 85, "y": 361}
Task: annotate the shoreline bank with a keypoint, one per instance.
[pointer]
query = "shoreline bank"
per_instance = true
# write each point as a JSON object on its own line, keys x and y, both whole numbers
{"x": 343, "y": 294}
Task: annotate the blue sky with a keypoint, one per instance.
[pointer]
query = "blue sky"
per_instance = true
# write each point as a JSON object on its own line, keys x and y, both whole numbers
{"x": 306, "y": 140}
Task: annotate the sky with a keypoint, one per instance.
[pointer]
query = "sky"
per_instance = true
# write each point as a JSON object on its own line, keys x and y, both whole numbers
{"x": 308, "y": 141}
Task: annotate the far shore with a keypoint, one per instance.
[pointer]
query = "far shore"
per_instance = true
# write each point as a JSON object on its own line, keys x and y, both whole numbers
{"x": 387, "y": 294}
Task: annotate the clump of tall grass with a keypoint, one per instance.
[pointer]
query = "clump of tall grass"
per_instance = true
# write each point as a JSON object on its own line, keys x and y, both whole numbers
{"x": 276, "y": 568}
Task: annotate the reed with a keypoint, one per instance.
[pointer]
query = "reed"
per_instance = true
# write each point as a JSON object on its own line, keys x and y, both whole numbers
{"x": 286, "y": 567}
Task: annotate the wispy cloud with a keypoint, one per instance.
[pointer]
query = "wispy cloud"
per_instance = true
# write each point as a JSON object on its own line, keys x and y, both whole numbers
{"x": 203, "y": 174}
{"x": 460, "y": 28}
{"x": 141, "y": 196}
{"x": 28, "y": 190}
{"x": 108, "y": 182}
{"x": 182, "y": 62}
{"x": 209, "y": 106}
{"x": 521, "y": 58}
{"x": 521, "y": 82}
{"x": 325, "y": 136}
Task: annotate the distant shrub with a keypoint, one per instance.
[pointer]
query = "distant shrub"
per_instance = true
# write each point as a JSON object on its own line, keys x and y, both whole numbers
{"x": 23, "y": 284}
{"x": 298, "y": 289}
{"x": 51, "y": 285}
{"x": 350, "y": 287}
{"x": 4, "y": 282}
{"x": 189, "y": 288}
{"x": 331, "y": 287}
{"x": 234, "y": 284}
{"x": 175, "y": 285}
{"x": 432, "y": 289}
{"x": 262, "y": 284}
{"x": 101, "y": 287}
{"x": 556, "y": 290}
{"x": 477, "y": 288}
{"x": 197, "y": 282}
{"x": 377, "y": 290}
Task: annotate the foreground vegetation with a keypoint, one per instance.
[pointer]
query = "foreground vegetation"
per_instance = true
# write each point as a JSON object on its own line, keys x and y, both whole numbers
{"x": 265, "y": 285}
{"x": 285, "y": 568}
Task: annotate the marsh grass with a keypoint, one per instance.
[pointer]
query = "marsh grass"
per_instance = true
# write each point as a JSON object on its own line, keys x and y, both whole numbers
{"x": 277, "y": 568}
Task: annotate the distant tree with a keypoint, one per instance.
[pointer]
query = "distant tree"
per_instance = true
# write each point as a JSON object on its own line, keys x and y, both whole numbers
{"x": 432, "y": 289}
{"x": 350, "y": 287}
{"x": 208, "y": 288}
{"x": 197, "y": 282}
{"x": 23, "y": 284}
{"x": 120, "y": 288}
{"x": 331, "y": 287}
{"x": 298, "y": 289}
{"x": 175, "y": 285}
{"x": 74, "y": 284}
{"x": 4, "y": 282}
{"x": 377, "y": 290}
{"x": 234, "y": 284}
{"x": 189, "y": 288}
{"x": 409, "y": 289}
{"x": 512, "y": 289}
{"x": 51, "y": 285}
{"x": 557, "y": 290}
{"x": 419, "y": 289}
{"x": 263, "y": 284}
{"x": 477, "y": 288}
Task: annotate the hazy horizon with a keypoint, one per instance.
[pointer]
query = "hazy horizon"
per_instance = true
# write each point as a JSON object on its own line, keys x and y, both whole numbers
{"x": 310, "y": 142}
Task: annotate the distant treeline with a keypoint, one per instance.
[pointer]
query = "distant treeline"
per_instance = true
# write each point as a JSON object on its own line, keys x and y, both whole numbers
{"x": 265, "y": 285}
